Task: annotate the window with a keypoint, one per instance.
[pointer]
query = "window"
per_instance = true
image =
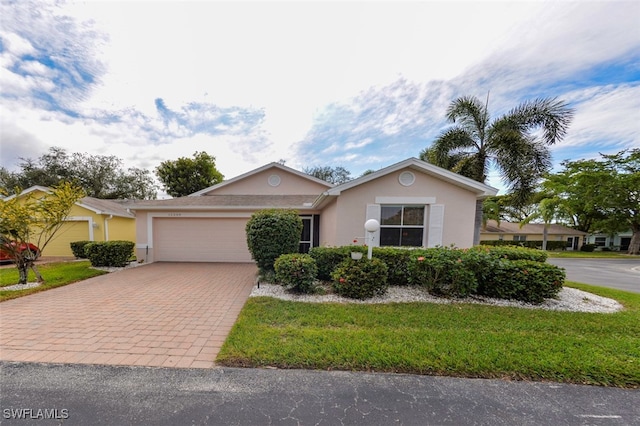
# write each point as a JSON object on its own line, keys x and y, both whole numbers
{"x": 600, "y": 241}
{"x": 519, "y": 238}
{"x": 401, "y": 225}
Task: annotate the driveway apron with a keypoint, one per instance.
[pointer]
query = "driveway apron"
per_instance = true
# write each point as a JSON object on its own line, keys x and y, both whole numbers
{"x": 156, "y": 315}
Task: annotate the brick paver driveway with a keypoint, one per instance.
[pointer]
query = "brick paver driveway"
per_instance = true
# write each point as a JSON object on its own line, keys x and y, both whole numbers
{"x": 162, "y": 314}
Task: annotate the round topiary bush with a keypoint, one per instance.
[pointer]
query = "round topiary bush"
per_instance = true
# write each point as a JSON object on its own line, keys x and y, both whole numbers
{"x": 296, "y": 272}
{"x": 271, "y": 233}
{"x": 360, "y": 279}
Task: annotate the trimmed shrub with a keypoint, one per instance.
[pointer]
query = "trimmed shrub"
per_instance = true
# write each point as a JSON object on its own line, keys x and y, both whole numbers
{"x": 443, "y": 272}
{"x": 588, "y": 247}
{"x": 397, "y": 260}
{"x": 523, "y": 280}
{"x": 77, "y": 248}
{"x": 537, "y": 244}
{"x": 328, "y": 258}
{"x": 360, "y": 279}
{"x": 296, "y": 272}
{"x": 271, "y": 233}
{"x": 109, "y": 253}
{"x": 514, "y": 253}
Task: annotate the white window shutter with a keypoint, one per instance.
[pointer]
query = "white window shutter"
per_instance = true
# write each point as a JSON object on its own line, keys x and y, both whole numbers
{"x": 436, "y": 225}
{"x": 373, "y": 212}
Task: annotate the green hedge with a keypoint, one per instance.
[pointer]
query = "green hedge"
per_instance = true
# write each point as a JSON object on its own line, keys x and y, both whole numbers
{"x": 328, "y": 258}
{"x": 77, "y": 248}
{"x": 271, "y": 233}
{"x": 360, "y": 279}
{"x": 523, "y": 280}
{"x": 443, "y": 272}
{"x": 296, "y": 272}
{"x": 109, "y": 253}
{"x": 536, "y": 244}
{"x": 455, "y": 272}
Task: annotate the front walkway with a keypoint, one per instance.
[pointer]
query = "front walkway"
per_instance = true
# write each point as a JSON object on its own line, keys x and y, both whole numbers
{"x": 156, "y": 315}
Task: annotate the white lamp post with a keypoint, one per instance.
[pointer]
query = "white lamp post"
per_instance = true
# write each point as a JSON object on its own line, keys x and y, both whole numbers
{"x": 371, "y": 226}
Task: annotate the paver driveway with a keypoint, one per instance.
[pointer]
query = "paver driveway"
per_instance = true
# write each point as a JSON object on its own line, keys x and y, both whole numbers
{"x": 161, "y": 315}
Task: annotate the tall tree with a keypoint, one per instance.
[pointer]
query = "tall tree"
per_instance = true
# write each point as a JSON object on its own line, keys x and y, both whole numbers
{"x": 34, "y": 220}
{"x": 547, "y": 211}
{"x": 335, "y": 175}
{"x": 100, "y": 176}
{"x": 185, "y": 176}
{"x": 509, "y": 143}
{"x": 602, "y": 195}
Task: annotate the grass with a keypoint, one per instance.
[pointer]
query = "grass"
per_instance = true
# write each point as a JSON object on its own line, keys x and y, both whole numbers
{"x": 593, "y": 254}
{"x": 55, "y": 275}
{"x": 462, "y": 340}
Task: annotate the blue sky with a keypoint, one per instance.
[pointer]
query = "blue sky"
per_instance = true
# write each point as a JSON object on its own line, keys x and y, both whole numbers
{"x": 355, "y": 84}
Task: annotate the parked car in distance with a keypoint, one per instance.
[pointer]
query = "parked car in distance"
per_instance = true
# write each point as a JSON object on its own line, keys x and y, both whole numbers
{"x": 7, "y": 248}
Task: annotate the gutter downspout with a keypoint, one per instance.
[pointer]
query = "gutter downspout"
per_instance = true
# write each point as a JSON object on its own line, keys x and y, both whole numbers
{"x": 106, "y": 227}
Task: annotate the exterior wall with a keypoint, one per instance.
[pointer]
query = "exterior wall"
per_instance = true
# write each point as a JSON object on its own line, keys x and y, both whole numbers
{"x": 329, "y": 225}
{"x": 117, "y": 228}
{"x": 459, "y": 206}
{"x": 290, "y": 184}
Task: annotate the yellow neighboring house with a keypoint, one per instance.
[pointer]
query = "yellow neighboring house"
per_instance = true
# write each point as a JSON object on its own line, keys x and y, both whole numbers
{"x": 91, "y": 219}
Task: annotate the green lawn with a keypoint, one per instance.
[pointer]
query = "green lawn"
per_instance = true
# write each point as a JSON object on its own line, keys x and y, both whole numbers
{"x": 461, "y": 340}
{"x": 55, "y": 275}
{"x": 594, "y": 254}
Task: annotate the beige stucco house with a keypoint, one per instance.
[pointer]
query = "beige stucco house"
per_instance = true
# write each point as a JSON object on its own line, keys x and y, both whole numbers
{"x": 511, "y": 231}
{"x": 90, "y": 219}
{"x": 416, "y": 203}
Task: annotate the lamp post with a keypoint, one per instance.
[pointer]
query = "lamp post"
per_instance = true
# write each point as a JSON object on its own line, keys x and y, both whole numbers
{"x": 371, "y": 226}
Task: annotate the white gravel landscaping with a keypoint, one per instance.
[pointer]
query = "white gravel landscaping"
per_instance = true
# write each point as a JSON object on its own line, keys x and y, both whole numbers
{"x": 569, "y": 299}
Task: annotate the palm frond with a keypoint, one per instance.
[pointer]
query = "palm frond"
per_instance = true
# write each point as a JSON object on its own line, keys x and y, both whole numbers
{"x": 549, "y": 114}
{"x": 470, "y": 114}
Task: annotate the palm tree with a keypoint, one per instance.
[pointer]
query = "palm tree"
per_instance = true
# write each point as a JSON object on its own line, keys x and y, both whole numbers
{"x": 508, "y": 143}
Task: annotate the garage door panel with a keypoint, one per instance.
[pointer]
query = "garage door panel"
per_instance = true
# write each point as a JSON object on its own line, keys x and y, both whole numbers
{"x": 200, "y": 240}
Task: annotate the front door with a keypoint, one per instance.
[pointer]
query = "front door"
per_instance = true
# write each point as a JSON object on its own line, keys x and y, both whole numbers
{"x": 572, "y": 243}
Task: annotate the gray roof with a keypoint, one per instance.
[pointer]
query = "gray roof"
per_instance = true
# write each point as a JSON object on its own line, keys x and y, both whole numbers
{"x": 100, "y": 206}
{"x": 530, "y": 228}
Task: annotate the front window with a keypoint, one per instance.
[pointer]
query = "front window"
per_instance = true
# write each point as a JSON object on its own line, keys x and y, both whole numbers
{"x": 401, "y": 225}
{"x": 519, "y": 238}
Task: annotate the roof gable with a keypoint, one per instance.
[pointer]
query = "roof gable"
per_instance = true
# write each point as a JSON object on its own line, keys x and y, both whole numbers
{"x": 481, "y": 190}
{"x": 275, "y": 167}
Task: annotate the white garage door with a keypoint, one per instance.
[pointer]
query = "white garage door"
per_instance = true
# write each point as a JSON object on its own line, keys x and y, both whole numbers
{"x": 200, "y": 240}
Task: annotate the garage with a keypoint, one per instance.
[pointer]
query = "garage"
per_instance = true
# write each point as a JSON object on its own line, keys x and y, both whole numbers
{"x": 200, "y": 239}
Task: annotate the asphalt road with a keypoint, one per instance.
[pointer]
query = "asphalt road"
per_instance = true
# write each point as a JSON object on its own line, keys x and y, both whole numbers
{"x": 621, "y": 274}
{"x": 107, "y": 395}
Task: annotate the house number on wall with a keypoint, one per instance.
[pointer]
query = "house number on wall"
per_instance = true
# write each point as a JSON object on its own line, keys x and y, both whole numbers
{"x": 174, "y": 214}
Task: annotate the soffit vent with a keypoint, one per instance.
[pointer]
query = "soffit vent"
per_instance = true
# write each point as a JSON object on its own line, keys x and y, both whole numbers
{"x": 406, "y": 178}
{"x": 274, "y": 180}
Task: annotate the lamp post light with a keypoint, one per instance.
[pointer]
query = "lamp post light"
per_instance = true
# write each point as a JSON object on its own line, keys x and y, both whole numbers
{"x": 371, "y": 226}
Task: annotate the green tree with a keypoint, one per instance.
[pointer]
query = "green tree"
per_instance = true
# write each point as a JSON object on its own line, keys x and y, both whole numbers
{"x": 509, "y": 143}
{"x": 185, "y": 176}
{"x": 100, "y": 176}
{"x": 547, "y": 211}
{"x": 601, "y": 195}
{"x": 335, "y": 175}
{"x": 34, "y": 220}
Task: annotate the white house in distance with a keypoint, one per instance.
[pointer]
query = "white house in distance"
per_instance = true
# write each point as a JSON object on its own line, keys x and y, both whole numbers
{"x": 416, "y": 203}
